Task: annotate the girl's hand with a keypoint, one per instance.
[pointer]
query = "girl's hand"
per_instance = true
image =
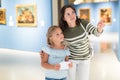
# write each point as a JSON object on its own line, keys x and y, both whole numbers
{"x": 42, "y": 54}
{"x": 70, "y": 65}
{"x": 57, "y": 67}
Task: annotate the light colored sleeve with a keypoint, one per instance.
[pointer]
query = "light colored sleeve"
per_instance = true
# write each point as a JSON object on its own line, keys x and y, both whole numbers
{"x": 45, "y": 49}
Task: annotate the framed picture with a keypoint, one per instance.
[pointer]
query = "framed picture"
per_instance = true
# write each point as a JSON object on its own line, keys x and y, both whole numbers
{"x": 105, "y": 47}
{"x": 84, "y": 14}
{"x": 106, "y": 15}
{"x": 0, "y": 3}
{"x": 2, "y": 16}
{"x": 26, "y": 15}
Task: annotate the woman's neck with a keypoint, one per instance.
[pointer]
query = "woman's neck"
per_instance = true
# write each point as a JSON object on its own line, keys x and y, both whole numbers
{"x": 72, "y": 25}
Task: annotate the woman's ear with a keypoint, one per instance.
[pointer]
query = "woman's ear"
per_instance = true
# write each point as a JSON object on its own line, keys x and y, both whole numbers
{"x": 64, "y": 19}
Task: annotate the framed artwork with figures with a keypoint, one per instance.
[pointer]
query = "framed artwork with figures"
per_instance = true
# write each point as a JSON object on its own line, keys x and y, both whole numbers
{"x": 26, "y": 15}
{"x": 0, "y": 3}
{"x": 106, "y": 15}
{"x": 2, "y": 16}
{"x": 105, "y": 47}
{"x": 84, "y": 13}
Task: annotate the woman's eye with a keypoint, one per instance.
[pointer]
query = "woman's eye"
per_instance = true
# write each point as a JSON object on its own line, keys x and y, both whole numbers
{"x": 68, "y": 14}
{"x": 73, "y": 12}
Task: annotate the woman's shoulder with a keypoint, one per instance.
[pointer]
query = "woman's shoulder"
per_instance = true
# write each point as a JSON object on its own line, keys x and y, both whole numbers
{"x": 84, "y": 22}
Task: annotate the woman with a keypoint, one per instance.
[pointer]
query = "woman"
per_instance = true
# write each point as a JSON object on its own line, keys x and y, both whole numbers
{"x": 76, "y": 35}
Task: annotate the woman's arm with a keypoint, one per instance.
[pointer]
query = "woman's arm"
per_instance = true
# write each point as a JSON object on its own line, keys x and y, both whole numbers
{"x": 67, "y": 59}
{"x": 95, "y": 31}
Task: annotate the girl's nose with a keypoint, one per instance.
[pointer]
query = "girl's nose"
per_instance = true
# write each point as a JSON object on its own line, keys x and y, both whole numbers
{"x": 62, "y": 35}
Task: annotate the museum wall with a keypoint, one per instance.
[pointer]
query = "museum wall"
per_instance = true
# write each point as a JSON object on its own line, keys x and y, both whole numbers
{"x": 119, "y": 31}
{"x": 26, "y": 36}
{"x": 14, "y": 35}
{"x": 95, "y": 8}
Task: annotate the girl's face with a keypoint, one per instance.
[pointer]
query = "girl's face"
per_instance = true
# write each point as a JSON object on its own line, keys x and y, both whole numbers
{"x": 70, "y": 16}
{"x": 57, "y": 36}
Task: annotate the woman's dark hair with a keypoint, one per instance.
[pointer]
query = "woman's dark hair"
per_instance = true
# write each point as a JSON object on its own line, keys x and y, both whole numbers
{"x": 63, "y": 24}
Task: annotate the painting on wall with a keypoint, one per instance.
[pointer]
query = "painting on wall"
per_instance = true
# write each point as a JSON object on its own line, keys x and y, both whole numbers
{"x": 0, "y": 3}
{"x": 106, "y": 15}
{"x": 2, "y": 16}
{"x": 84, "y": 14}
{"x": 26, "y": 15}
{"x": 105, "y": 47}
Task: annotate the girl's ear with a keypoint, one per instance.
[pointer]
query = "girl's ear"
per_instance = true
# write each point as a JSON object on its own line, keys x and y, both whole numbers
{"x": 50, "y": 38}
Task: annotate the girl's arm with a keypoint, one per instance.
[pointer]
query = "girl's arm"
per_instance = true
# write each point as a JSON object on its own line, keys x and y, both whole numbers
{"x": 45, "y": 64}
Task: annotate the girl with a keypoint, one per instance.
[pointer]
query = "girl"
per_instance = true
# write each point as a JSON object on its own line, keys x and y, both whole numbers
{"x": 55, "y": 53}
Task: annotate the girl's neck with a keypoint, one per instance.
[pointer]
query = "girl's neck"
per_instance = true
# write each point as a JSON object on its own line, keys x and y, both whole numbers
{"x": 58, "y": 46}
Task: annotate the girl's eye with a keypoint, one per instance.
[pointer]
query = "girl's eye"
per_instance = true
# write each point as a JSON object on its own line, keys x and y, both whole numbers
{"x": 57, "y": 34}
{"x": 61, "y": 32}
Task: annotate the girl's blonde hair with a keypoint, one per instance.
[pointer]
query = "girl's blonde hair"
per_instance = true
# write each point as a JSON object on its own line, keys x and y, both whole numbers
{"x": 50, "y": 33}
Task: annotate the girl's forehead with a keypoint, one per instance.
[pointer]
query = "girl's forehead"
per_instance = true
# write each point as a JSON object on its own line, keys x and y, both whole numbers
{"x": 56, "y": 30}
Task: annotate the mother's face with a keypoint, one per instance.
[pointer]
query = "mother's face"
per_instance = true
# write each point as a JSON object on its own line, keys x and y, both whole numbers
{"x": 69, "y": 15}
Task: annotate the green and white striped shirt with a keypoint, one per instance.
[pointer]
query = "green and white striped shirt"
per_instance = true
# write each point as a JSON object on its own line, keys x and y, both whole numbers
{"x": 78, "y": 42}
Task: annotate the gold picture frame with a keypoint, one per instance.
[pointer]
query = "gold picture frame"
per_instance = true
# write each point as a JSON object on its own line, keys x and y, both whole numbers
{"x": 26, "y": 15}
{"x": 84, "y": 13}
{"x": 2, "y": 16}
{"x": 106, "y": 15}
{"x": 105, "y": 47}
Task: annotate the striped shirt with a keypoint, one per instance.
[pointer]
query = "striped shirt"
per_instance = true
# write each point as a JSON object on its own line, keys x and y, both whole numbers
{"x": 78, "y": 42}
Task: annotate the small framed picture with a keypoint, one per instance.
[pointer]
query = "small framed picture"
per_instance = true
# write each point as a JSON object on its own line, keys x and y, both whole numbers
{"x": 2, "y": 16}
{"x": 84, "y": 14}
{"x": 26, "y": 15}
{"x": 106, "y": 15}
{"x": 105, "y": 47}
{"x": 0, "y": 3}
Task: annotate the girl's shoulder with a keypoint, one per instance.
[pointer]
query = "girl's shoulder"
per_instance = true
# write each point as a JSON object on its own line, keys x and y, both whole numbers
{"x": 46, "y": 49}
